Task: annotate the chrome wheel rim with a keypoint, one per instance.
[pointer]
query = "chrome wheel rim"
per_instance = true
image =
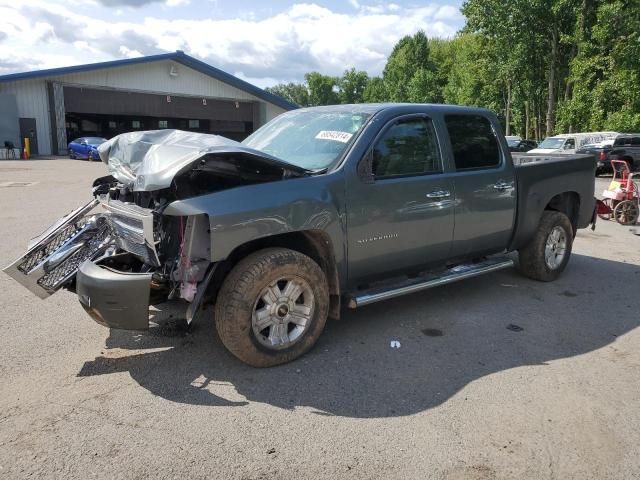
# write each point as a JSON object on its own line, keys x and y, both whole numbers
{"x": 282, "y": 313}
{"x": 555, "y": 248}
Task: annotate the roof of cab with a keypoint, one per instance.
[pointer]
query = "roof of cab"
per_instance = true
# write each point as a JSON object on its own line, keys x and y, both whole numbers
{"x": 372, "y": 108}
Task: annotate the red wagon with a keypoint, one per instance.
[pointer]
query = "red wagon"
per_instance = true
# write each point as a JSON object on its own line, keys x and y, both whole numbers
{"x": 622, "y": 198}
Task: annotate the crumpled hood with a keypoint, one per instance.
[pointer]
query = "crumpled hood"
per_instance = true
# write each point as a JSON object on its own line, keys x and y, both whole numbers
{"x": 147, "y": 161}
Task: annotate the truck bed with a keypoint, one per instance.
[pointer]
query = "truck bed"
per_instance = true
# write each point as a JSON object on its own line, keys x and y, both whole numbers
{"x": 522, "y": 159}
{"x": 540, "y": 178}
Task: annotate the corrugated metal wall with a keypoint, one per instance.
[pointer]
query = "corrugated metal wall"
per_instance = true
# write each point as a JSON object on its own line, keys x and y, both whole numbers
{"x": 31, "y": 97}
{"x": 155, "y": 77}
{"x": 9, "y": 126}
{"x": 58, "y": 101}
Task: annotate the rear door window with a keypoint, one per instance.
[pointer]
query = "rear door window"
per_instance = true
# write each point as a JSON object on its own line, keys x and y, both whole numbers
{"x": 473, "y": 142}
{"x": 635, "y": 141}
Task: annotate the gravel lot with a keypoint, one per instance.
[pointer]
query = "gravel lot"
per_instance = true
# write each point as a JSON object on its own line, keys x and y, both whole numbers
{"x": 463, "y": 398}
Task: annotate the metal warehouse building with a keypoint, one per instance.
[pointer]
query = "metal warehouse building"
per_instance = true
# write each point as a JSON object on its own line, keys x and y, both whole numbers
{"x": 173, "y": 90}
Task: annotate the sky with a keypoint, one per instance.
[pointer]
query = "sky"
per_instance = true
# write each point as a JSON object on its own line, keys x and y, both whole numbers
{"x": 263, "y": 42}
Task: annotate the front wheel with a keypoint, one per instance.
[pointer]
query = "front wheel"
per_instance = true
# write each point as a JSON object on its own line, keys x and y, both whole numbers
{"x": 272, "y": 307}
{"x": 547, "y": 255}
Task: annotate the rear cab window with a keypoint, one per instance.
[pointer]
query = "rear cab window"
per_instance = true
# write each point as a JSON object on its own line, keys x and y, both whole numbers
{"x": 473, "y": 142}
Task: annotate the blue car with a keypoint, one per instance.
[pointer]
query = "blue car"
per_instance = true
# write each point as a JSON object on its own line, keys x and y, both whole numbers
{"x": 86, "y": 148}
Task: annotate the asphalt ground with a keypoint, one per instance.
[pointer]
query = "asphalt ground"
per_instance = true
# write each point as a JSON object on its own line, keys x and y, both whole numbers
{"x": 497, "y": 377}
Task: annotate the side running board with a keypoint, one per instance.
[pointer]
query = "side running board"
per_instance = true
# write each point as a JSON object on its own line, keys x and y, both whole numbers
{"x": 459, "y": 272}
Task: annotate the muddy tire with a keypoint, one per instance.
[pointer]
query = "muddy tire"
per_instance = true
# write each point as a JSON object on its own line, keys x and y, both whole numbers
{"x": 272, "y": 307}
{"x": 547, "y": 255}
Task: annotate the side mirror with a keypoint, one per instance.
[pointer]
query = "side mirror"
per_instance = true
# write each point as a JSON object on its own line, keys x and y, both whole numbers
{"x": 365, "y": 168}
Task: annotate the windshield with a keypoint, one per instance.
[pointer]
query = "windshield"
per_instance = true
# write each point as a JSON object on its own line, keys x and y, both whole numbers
{"x": 552, "y": 142}
{"x": 95, "y": 140}
{"x": 307, "y": 138}
{"x": 513, "y": 143}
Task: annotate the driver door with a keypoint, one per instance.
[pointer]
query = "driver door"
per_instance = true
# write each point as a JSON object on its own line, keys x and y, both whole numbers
{"x": 400, "y": 210}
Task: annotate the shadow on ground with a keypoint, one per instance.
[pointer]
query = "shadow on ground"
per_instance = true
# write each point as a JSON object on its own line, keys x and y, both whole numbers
{"x": 449, "y": 337}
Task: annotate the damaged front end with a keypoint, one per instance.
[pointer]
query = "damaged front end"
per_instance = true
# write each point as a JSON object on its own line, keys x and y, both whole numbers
{"x": 106, "y": 252}
{"x": 119, "y": 252}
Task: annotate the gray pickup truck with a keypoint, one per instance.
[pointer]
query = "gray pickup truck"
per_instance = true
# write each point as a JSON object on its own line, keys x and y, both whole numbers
{"x": 321, "y": 208}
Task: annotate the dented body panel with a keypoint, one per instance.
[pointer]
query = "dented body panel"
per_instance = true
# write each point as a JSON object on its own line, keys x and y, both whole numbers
{"x": 241, "y": 215}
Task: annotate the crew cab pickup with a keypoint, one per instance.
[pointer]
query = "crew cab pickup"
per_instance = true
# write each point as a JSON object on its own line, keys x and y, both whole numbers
{"x": 320, "y": 208}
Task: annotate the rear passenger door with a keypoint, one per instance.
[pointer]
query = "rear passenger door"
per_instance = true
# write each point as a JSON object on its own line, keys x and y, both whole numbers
{"x": 484, "y": 185}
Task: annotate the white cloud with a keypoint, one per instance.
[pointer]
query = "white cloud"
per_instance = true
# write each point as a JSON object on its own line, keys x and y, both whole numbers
{"x": 177, "y": 3}
{"x": 280, "y": 47}
{"x": 127, "y": 52}
{"x": 447, "y": 12}
{"x": 354, "y": 3}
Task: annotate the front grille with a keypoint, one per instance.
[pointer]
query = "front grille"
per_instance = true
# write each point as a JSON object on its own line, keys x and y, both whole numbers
{"x": 92, "y": 248}
{"x": 46, "y": 267}
{"x": 40, "y": 254}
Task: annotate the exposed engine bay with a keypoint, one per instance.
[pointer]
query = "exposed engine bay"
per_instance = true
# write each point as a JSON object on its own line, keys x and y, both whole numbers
{"x": 122, "y": 243}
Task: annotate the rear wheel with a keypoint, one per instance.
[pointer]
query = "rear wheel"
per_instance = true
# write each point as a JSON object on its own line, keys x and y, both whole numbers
{"x": 72, "y": 155}
{"x": 547, "y": 255}
{"x": 272, "y": 307}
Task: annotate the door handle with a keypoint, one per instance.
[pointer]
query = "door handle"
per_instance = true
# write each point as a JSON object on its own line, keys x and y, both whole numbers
{"x": 439, "y": 194}
{"x": 502, "y": 186}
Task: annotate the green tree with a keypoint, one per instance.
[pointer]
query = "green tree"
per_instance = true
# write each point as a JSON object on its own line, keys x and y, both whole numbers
{"x": 293, "y": 92}
{"x": 605, "y": 73}
{"x": 352, "y": 85}
{"x": 323, "y": 89}
{"x": 409, "y": 58}
{"x": 423, "y": 87}
{"x": 527, "y": 34}
{"x": 375, "y": 91}
{"x": 441, "y": 54}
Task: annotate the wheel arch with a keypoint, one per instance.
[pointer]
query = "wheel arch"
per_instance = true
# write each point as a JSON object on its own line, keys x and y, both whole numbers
{"x": 567, "y": 203}
{"x": 316, "y": 244}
